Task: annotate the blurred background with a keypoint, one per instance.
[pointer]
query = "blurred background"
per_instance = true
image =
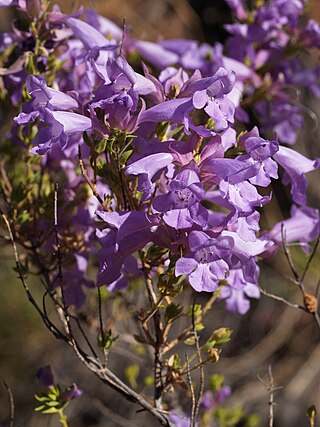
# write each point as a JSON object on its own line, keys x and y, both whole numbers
{"x": 270, "y": 334}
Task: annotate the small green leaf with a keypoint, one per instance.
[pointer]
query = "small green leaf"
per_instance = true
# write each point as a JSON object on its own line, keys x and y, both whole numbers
{"x": 196, "y": 310}
{"x": 199, "y": 327}
{"x": 253, "y": 420}
{"x": 148, "y": 381}
{"x": 216, "y": 382}
{"x": 173, "y": 310}
{"x": 131, "y": 373}
{"x": 222, "y": 335}
{"x": 50, "y": 411}
{"x": 25, "y": 216}
{"x": 190, "y": 341}
{"x": 101, "y": 146}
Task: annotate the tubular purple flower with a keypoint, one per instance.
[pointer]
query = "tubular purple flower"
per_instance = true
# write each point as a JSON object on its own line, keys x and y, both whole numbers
{"x": 204, "y": 265}
{"x": 146, "y": 168}
{"x": 44, "y": 96}
{"x": 155, "y": 53}
{"x": 56, "y": 127}
{"x": 296, "y": 166}
{"x": 45, "y": 377}
{"x": 237, "y": 291}
{"x": 303, "y": 226}
{"x": 181, "y": 206}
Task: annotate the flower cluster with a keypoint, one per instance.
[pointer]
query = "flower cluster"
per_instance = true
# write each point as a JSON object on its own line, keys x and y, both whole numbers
{"x": 167, "y": 161}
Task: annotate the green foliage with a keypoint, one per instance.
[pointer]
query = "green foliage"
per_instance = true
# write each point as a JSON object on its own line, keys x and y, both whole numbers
{"x": 216, "y": 382}
{"x": 131, "y": 373}
{"x": 173, "y": 311}
{"x": 50, "y": 402}
{"x": 228, "y": 417}
{"x": 195, "y": 310}
{"x": 106, "y": 341}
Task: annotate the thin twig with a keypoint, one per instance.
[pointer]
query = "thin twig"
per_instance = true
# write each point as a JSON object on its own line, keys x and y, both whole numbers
{"x": 124, "y": 30}
{"x": 310, "y": 259}
{"x": 188, "y": 330}
{"x": 271, "y": 389}
{"x": 53, "y": 329}
{"x": 11, "y": 404}
{"x": 59, "y": 256}
{"x": 278, "y": 298}
{"x": 92, "y": 363}
{"x": 111, "y": 415}
{"x": 288, "y": 254}
{"x": 201, "y": 387}
{"x": 193, "y": 397}
{"x": 91, "y": 185}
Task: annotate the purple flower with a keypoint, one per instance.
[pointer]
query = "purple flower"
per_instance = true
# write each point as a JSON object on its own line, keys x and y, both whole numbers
{"x": 295, "y": 166}
{"x": 146, "y": 168}
{"x": 181, "y": 206}
{"x": 210, "y": 400}
{"x": 155, "y": 53}
{"x": 303, "y": 226}
{"x": 125, "y": 233}
{"x": 55, "y": 128}
{"x": 204, "y": 264}
{"x": 238, "y": 8}
{"x": 237, "y": 291}
{"x": 73, "y": 282}
{"x": 45, "y": 377}
{"x": 310, "y": 34}
{"x": 44, "y": 96}
{"x": 71, "y": 392}
{"x": 259, "y": 167}
{"x": 180, "y": 421}
{"x": 243, "y": 196}
{"x": 208, "y": 94}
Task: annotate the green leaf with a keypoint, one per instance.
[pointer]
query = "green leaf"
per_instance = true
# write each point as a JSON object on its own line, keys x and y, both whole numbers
{"x": 148, "y": 381}
{"x": 40, "y": 398}
{"x": 173, "y": 310}
{"x": 101, "y": 146}
{"x": 199, "y": 326}
{"x": 190, "y": 341}
{"x": 208, "y": 345}
{"x": 86, "y": 139}
{"x": 131, "y": 373}
{"x": 19, "y": 193}
{"x": 221, "y": 336}
{"x": 50, "y": 411}
{"x": 216, "y": 382}
{"x": 235, "y": 415}
{"x": 253, "y": 420}
{"x": 196, "y": 310}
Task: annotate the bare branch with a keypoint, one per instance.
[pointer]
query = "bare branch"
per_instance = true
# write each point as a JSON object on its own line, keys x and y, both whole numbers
{"x": 11, "y": 404}
{"x": 278, "y": 298}
{"x": 271, "y": 389}
{"x": 201, "y": 387}
{"x": 193, "y": 397}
